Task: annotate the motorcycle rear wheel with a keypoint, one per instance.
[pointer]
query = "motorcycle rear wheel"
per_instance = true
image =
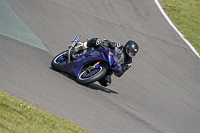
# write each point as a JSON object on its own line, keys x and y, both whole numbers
{"x": 57, "y": 62}
{"x": 90, "y": 77}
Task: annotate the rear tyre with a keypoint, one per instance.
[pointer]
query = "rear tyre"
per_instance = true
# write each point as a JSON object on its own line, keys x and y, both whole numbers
{"x": 96, "y": 74}
{"x": 58, "y": 62}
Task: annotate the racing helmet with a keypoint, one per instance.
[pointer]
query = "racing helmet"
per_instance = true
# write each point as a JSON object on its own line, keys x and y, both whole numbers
{"x": 131, "y": 48}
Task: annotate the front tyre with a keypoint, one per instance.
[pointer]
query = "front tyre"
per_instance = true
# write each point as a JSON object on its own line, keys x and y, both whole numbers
{"x": 58, "y": 62}
{"x": 88, "y": 77}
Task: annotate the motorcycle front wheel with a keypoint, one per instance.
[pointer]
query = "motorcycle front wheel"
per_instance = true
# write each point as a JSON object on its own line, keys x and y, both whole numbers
{"x": 88, "y": 77}
{"x": 58, "y": 61}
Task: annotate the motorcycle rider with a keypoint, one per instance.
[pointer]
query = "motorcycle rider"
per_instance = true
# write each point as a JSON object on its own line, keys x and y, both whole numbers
{"x": 128, "y": 50}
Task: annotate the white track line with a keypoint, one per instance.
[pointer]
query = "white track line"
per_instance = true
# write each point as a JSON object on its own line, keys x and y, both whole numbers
{"x": 170, "y": 22}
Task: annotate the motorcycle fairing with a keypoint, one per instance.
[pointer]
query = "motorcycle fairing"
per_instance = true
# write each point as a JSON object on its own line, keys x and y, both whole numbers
{"x": 75, "y": 67}
{"x": 112, "y": 61}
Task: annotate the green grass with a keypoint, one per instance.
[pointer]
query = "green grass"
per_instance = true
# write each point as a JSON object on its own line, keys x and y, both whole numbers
{"x": 186, "y": 16}
{"x": 16, "y": 116}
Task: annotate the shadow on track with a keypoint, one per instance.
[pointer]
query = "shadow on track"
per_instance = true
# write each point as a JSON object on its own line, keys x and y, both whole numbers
{"x": 91, "y": 86}
{"x": 101, "y": 88}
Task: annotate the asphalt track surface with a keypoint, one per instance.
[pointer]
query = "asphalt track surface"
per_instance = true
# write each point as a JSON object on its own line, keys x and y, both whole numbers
{"x": 159, "y": 94}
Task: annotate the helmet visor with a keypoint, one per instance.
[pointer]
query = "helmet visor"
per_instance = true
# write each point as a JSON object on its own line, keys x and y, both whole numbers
{"x": 131, "y": 53}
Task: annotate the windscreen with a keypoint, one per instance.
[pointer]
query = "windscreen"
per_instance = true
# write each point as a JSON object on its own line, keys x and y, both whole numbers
{"x": 118, "y": 55}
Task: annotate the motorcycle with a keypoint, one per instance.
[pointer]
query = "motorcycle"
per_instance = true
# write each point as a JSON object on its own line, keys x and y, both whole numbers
{"x": 89, "y": 66}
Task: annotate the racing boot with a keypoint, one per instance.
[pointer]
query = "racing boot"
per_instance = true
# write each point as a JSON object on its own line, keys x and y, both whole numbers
{"x": 105, "y": 81}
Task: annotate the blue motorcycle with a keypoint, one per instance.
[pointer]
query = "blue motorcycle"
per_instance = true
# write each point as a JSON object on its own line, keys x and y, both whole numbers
{"x": 90, "y": 66}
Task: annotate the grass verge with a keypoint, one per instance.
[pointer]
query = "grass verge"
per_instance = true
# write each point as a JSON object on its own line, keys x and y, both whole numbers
{"x": 186, "y": 16}
{"x": 17, "y": 116}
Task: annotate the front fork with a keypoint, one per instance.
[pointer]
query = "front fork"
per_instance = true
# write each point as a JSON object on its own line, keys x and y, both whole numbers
{"x": 96, "y": 65}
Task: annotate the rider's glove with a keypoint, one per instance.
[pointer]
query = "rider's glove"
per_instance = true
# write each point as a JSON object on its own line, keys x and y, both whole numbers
{"x": 125, "y": 67}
